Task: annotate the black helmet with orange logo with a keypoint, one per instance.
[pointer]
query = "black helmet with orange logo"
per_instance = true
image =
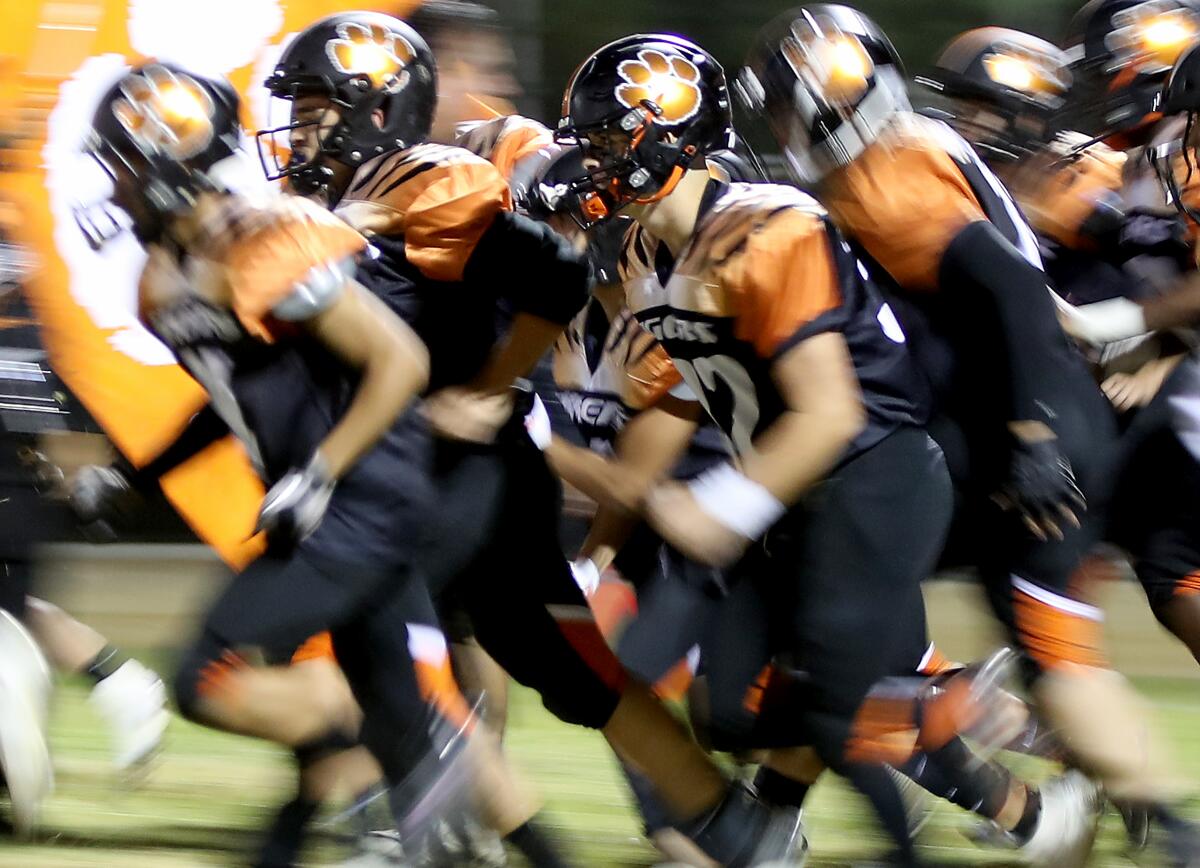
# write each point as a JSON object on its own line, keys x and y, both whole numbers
{"x": 1121, "y": 53}
{"x": 828, "y": 81}
{"x": 377, "y": 72}
{"x": 643, "y": 109}
{"x": 1004, "y": 89}
{"x": 158, "y": 133}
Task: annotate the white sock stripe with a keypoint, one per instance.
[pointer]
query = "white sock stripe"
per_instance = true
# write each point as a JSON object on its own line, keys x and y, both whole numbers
{"x": 1057, "y": 601}
{"x": 925, "y": 658}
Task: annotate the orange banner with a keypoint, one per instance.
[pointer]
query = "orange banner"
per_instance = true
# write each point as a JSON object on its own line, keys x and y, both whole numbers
{"x": 56, "y": 58}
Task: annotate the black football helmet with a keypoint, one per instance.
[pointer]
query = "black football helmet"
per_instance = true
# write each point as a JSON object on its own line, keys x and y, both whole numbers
{"x": 1121, "y": 53}
{"x": 1180, "y": 96}
{"x": 1004, "y": 89}
{"x": 828, "y": 81}
{"x": 643, "y": 110}
{"x": 552, "y": 191}
{"x": 158, "y": 133}
{"x": 380, "y": 76}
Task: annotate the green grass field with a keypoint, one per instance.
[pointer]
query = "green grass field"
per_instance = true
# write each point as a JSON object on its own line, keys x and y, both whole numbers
{"x": 205, "y": 801}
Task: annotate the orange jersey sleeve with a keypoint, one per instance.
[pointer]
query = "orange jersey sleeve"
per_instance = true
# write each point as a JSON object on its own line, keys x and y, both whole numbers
{"x": 265, "y": 263}
{"x": 904, "y": 200}
{"x": 440, "y": 199}
{"x": 1059, "y": 198}
{"x": 784, "y": 279}
{"x": 506, "y": 141}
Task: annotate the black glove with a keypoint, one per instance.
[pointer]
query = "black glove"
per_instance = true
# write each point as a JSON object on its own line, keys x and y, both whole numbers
{"x": 1041, "y": 487}
{"x": 295, "y": 505}
{"x": 100, "y": 493}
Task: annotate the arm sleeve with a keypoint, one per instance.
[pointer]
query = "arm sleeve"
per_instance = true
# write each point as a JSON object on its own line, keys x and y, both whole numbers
{"x": 531, "y": 266}
{"x": 993, "y": 280}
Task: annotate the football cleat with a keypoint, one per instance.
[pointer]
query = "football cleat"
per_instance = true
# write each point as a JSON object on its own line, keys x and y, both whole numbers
{"x": 1065, "y": 829}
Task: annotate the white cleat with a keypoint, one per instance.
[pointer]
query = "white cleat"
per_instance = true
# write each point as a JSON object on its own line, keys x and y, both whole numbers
{"x": 24, "y": 699}
{"x": 1067, "y": 826}
{"x": 133, "y": 702}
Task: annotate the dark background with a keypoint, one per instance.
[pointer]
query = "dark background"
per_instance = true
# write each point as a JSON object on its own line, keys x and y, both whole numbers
{"x": 552, "y": 36}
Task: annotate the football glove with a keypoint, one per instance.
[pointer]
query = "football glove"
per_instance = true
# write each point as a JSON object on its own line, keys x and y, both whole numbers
{"x": 1041, "y": 488}
{"x": 296, "y": 504}
{"x": 99, "y": 493}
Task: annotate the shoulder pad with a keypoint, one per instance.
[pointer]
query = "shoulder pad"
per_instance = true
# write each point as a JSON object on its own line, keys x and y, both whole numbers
{"x": 440, "y": 199}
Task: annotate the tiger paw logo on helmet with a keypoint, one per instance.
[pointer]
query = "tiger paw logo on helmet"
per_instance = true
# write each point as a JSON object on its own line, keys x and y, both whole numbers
{"x": 672, "y": 84}
{"x": 373, "y": 51}
{"x": 165, "y": 113}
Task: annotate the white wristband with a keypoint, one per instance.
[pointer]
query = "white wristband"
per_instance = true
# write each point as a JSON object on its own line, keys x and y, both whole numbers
{"x": 537, "y": 423}
{"x": 586, "y": 575}
{"x": 737, "y": 502}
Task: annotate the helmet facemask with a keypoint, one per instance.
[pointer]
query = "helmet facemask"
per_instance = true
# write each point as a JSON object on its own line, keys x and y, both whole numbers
{"x": 629, "y": 159}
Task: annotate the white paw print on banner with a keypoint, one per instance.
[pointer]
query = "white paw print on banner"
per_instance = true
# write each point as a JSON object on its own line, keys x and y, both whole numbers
{"x": 199, "y": 37}
{"x": 196, "y": 36}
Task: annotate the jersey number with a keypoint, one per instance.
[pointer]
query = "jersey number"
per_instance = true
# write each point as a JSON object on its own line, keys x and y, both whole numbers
{"x": 727, "y": 393}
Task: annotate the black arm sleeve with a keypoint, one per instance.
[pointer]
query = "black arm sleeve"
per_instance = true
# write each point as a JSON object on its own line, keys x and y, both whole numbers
{"x": 992, "y": 279}
{"x": 531, "y": 266}
{"x": 201, "y": 431}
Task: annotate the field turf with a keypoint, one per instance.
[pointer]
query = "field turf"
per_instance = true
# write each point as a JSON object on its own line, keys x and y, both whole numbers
{"x": 205, "y": 801}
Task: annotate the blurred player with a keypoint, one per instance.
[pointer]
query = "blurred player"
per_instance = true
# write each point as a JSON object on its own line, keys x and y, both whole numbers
{"x": 1021, "y": 423}
{"x": 459, "y": 264}
{"x": 775, "y": 325}
{"x": 477, "y": 77}
{"x": 255, "y": 296}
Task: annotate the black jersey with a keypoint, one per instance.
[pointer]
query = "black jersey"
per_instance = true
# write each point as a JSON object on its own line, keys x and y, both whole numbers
{"x": 763, "y": 271}
{"x": 279, "y": 391}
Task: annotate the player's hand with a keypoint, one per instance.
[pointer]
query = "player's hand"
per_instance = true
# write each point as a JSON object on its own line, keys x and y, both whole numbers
{"x": 296, "y": 504}
{"x": 458, "y": 413}
{"x": 1104, "y": 322}
{"x": 675, "y": 514}
{"x": 1127, "y": 391}
{"x": 98, "y": 493}
{"x": 1041, "y": 488}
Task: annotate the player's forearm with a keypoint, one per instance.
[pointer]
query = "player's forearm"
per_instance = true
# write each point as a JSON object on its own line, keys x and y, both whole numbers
{"x": 393, "y": 365}
{"x": 602, "y": 479}
{"x": 800, "y": 448}
{"x": 608, "y": 533}
{"x": 1179, "y": 308}
{"x": 529, "y": 338}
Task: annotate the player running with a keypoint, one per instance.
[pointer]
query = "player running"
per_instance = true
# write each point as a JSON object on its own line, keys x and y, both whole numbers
{"x": 1024, "y": 428}
{"x": 488, "y": 291}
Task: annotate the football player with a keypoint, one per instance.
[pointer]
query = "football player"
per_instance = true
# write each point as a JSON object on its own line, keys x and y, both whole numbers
{"x": 777, "y": 328}
{"x": 254, "y": 294}
{"x": 488, "y": 291}
{"x": 1026, "y": 431}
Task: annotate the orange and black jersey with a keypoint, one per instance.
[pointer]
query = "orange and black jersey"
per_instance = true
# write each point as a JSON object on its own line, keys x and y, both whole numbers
{"x": 508, "y": 142}
{"x": 452, "y": 259}
{"x": 765, "y": 270}
{"x": 233, "y": 322}
{"x": 606, "y": 371}
{"x": 1072, "y": 197}
{"x": 966, "y": 270}
{"x": 911, "y": 193}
